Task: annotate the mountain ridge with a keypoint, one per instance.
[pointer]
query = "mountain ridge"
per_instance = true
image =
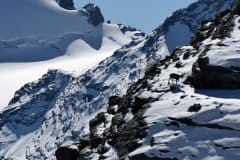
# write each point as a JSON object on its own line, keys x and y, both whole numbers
{"x": 86, "y": 96}
{"x": 157, "y": 121}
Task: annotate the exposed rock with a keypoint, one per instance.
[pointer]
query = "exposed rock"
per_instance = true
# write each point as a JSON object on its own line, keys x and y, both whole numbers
{"x": 179, "y": 65}
{"x": 114, "y": 100}
{"x": 67, "y": 4}
{"x": 100, "y": 118}
{"x": 67, "y": 153}
{"x": 205, "y": 75}
{"x": 93, "y": 13}
{"x": 195, "y": 108}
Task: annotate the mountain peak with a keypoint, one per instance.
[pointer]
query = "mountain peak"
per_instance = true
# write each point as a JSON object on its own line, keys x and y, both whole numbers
{"x": 93, "y": 13}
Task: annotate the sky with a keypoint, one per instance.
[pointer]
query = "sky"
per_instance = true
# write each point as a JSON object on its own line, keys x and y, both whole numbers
{"x": 142, "y": 14}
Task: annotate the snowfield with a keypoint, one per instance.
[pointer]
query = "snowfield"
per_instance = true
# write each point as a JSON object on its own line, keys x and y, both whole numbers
{"x": 175, "y": 129}
{"x": 56, "y": 109}
{"x": 51, "y": 38}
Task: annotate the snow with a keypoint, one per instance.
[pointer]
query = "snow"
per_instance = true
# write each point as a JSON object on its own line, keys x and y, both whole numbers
{"x": 67, "y": 117}
{"x": 168, "y": 138}
{"x": 51, "y": 38}
{"x": 228, "y": 54}
{"x": 45, "y": 20}
{"x": 129, "y": 116}
{"x": 229, "y": 142}
{"x": 79, "y": 57}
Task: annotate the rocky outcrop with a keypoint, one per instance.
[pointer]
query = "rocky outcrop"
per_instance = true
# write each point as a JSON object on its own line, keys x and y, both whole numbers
{"x": 205, "y": 75}
{"x": 93, "y": 13}
{"x": 66, "y": 4}
{"x": 116, "y": 127}
{"x": 67, "y": 153}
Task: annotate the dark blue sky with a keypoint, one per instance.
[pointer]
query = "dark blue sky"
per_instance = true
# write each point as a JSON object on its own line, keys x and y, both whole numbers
{"x": 142, "y": 14}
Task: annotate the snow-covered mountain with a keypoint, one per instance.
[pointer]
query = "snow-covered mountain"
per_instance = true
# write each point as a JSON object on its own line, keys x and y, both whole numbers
{"x": 56, "y": 109}
{"x": 37, "y": 35}
{"x": 196, "y": 118}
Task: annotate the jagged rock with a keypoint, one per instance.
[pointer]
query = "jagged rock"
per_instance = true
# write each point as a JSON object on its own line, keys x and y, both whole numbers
{"x": 67, "y": 4}
{"x": 195, "y": 108}
{"x": 96, "y": 140}
{"x": 67, "y": 153}
{"x": 114, "y": 100}
{"x": 217, "y": 77}
{"x": 84, "y": 142}
{"x": 124, "y": 28}
{"x": 100, "y": 118}
{"x": 186, "y": 55}
{"x": 93, "y": 13}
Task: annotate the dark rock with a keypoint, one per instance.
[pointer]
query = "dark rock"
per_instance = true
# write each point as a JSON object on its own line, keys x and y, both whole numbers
{"x": 112, "y": 110}
{"x": 96, "y": 140}
{"x": 67, "y": 153}
{"x": 100, "y": 118}
{"x": 124, "y": 28}
{"x": 118, "y": 119}
{"x": 203, "y": 62}
{"x": 84, "y": 142}
{"x": 186, "y": 55}
{"x": 215, "y": 77}
{"x": 66, "y": 4}
{"x": 142, "y": 156}
{"x": 225, "y": 23}
{"x": 93, "y": 13}
{"x": 179, "y": 65}
{"x": 140, "y": 102}
{"x": 195, "y": 108}
{"x": 114, "y": 100}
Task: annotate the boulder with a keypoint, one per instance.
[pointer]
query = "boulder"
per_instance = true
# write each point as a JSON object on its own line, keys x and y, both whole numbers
{"x": 195, "y": 108}
{"x": 67, "y": 153}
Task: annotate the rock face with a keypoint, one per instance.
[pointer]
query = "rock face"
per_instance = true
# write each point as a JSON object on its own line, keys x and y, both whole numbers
{"x": 93, "y": 13}
{"x": 186, "y": 21}
{"x": 66, "y": 4}
{"x": 67, "y": 153}
{"x": 216, "y": 76}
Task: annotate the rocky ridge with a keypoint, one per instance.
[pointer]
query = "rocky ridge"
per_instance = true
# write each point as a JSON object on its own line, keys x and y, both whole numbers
{"x": 86, "y": 96}
{"x": 156, "y": 121}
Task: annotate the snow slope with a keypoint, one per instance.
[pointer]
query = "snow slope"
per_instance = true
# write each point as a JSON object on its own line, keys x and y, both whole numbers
{"x": 182, "y": 24}
{"x": 55, "y": 110}
{"x": 51, "y": 38}
{"x": 178, "y": 131}
{"x": 162, "y": 119}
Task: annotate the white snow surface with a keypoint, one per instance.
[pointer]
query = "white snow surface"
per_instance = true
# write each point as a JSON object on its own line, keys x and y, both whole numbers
{"x": 38, "y": 35}
{"x": 228, "y": 54}
{"x": 47, "y": 124}
{"x": 215, "y": 134}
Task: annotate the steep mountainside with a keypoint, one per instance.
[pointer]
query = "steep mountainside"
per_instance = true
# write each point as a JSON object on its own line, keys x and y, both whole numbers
{"x": 161, "y": 119}
{"x": 52, "y": 38}
{"x": 47, "y": 122}
{"x": 181, "y": 26}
